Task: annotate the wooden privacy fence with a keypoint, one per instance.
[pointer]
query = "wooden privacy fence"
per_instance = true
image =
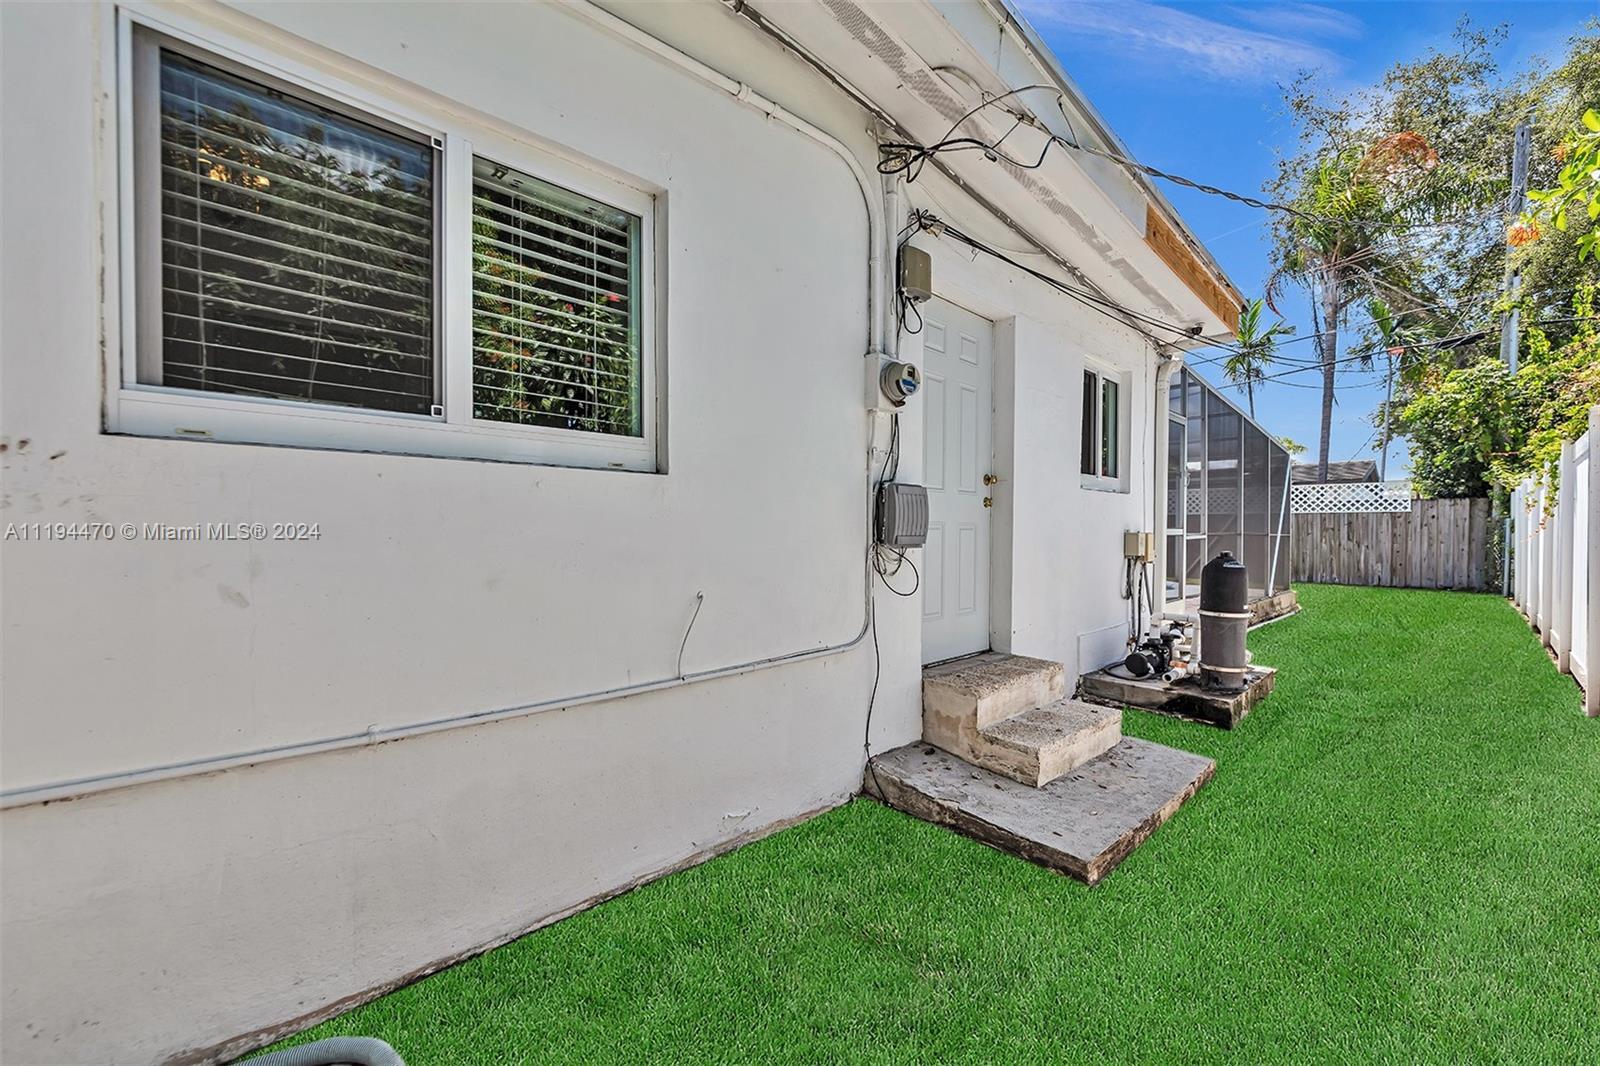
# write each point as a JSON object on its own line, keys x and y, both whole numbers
{"x": 1555, "y": 559}
{"x": 1435, "y": 544}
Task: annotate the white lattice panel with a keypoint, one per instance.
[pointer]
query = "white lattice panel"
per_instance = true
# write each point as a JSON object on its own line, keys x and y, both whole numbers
{"x": 1358, "y": 497}
{"x": 1221, "y": 500}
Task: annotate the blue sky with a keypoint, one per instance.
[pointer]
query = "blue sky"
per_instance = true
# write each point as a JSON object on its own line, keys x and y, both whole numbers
{"x": 1194, "y": 88}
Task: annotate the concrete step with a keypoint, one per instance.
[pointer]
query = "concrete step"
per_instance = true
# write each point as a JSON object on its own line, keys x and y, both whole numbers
{"x": 1039, "y": 745}
{"x": 1082, "y": 824}
{"x": 986, "y": 688}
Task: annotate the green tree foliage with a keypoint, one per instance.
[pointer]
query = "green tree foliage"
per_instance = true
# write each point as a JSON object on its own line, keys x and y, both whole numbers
{"x": 1439, "y": 267}
{"x": 1478, "y": 427}
{"x": 1577, "y": 189}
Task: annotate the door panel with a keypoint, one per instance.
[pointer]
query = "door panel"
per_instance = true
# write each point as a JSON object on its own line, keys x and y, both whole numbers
{"x": 958, "y": 420}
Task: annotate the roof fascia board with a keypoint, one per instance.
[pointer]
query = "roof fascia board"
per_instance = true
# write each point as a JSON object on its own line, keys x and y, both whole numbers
{"x": 1045, "y": 62}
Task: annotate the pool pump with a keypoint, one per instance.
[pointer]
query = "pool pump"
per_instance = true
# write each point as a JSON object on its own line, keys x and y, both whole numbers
{"x": 1153, "y": 655}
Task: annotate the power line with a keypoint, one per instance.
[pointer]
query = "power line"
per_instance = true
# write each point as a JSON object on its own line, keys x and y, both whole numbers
{"x": 926, "y": 221}
{"x": 1435, "y": 342}
{"x": 1093, "y": 300}
{"x": 908, "y": 158}
{"x": 1448, "y": 306}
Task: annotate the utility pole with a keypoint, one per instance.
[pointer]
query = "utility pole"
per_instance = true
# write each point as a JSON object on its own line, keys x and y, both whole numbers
{"x": 1388, "y": 402}
{"x": 1514, "y": 208}
{"x": 1509, "y": 339}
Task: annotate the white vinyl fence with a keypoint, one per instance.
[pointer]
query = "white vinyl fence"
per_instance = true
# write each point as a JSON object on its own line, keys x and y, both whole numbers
{"x": 1555, "y": 546}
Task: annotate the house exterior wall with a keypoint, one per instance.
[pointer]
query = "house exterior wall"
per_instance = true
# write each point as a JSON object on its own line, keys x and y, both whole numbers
{"x": 444, "y": 587}
{"x": 145, "y": 921}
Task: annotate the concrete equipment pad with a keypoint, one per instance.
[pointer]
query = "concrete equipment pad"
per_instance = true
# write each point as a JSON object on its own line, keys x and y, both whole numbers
{"x": 1082, "y": 824}
{"x": 1182, "y": 699}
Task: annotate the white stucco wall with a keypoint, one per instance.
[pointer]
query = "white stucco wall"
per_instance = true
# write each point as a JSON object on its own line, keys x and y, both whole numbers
{"x": 145, "y": 921}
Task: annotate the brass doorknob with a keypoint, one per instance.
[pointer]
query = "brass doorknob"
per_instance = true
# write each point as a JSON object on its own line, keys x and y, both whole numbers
{"x": 991, "y": 479}
{"x": 988, "y": 501}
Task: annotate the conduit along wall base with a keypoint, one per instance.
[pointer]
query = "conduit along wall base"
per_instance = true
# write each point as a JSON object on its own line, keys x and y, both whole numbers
{"x": 1184, "y": 698}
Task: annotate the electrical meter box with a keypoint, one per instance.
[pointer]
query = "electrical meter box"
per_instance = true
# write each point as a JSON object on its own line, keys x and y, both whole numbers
{"x": 1139, "y": 546}
{"x": 916, "y": 274}
{"x": 902, "y": 516}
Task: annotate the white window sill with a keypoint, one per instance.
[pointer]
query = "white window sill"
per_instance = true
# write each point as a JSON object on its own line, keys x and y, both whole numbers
{"x": 1101, "y": 484}
{"x": 150, "y": 412}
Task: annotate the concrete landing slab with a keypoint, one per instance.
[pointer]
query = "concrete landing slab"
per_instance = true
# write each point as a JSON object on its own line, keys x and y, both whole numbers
{"x": 1181, "y": 699}
{"x": 1082, "y": 824}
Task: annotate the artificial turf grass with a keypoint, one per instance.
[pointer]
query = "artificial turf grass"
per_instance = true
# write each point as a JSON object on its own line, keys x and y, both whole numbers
{"x": 1398, "y": 860}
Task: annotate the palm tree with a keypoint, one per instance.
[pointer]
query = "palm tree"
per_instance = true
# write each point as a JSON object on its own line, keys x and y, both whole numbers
{"x": 1342, "y": 245}
{"x": 1255, "y": 348}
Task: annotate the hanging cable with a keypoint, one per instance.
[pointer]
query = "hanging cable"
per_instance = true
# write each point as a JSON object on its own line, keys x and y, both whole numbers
{"x": 909, "y": 158}
{"x": 1093, "y": 300}
{"x": 1459, "y": 308}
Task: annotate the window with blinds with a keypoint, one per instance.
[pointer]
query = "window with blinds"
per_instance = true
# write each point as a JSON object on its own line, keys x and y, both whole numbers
{"x": 296, "y": 245}
{"x": 555, "y": 306}
{"x": 292, "y": 242}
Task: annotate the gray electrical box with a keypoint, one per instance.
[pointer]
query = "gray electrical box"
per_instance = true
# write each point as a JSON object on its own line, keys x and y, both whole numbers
{"x": 916, "y": 274}
{"x": 902, "y": 516}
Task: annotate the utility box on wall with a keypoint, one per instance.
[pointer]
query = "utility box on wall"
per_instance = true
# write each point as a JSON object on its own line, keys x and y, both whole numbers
{"x": 902, "y": 518}
{"x": 1139, "y": 546}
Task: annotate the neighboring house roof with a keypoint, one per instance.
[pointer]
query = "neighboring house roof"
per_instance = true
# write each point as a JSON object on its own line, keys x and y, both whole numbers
{"x": 1338, "y": 473}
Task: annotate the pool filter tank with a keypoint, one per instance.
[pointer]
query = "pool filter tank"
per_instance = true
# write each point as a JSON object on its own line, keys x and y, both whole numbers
{"x": 1224, "y": 619}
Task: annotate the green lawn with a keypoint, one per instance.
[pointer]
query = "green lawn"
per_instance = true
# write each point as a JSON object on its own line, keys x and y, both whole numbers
{"x": 1398, "y": 860}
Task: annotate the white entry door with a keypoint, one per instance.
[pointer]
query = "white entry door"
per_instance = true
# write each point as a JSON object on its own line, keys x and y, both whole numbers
{"x": 958, "y": 413}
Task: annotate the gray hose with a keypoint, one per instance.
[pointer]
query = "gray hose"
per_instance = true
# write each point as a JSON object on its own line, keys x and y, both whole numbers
{"x": 334, "y": 1051}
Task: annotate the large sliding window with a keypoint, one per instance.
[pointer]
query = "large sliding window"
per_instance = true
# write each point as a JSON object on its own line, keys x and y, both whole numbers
{"x": 309, "y": 265}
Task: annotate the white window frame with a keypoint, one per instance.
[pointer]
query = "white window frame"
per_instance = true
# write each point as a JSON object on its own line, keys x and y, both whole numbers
{"x": 1099, "y": 482}
{"x": 452, "y": 431}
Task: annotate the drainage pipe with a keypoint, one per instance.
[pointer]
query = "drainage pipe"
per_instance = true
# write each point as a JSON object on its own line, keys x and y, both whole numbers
{"x": 878, "y": 321}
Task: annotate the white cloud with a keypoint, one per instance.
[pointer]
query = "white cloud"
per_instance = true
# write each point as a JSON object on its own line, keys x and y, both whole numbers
{"x": 1312, "y": 20}
{"x": 1161, "y": 34}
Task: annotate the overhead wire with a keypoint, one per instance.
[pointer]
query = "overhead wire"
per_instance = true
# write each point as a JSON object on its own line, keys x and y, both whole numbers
{"x": 1447, "y": 306}
{"x": 1094, "y": 300}
{"x": 1432, "y": 342}
{"x": 909, "y": 158}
